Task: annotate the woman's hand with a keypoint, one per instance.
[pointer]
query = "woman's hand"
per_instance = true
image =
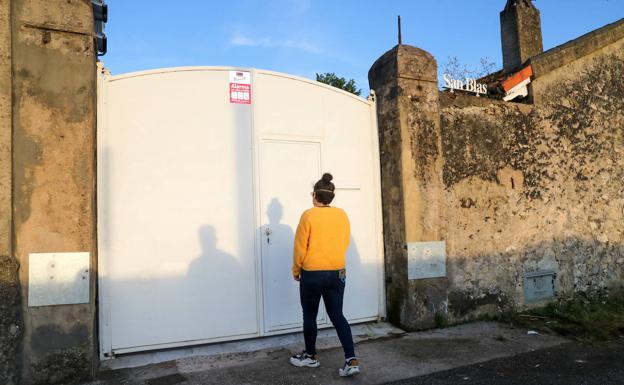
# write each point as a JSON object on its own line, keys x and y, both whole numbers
{"x": 297, "y": 277}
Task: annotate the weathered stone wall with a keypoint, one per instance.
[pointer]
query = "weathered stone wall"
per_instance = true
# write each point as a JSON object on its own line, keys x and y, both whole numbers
{"x": 405, "y": 80}
{"x": 10, "y": 321}
{"x": 521, "y": 32}
{"x": 10, "y": 330}
{"x": 53, "y": 172}
{"x": 558, "y": 59}
{"x": 536, "y": 187}
{"x": 511, "y": 188}
{"x": 5, "y": 128}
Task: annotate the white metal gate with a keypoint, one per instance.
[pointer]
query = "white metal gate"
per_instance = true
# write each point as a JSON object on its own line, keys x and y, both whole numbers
{"x": 199, "y": 194}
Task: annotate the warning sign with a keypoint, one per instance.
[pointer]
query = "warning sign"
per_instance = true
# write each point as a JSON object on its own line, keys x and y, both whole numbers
{"x": 240, "y": 87}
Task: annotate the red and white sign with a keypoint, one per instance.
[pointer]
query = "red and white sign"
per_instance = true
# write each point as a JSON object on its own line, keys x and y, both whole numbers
{"x": 517, "y": 84}
{"x": 240, "y": 87}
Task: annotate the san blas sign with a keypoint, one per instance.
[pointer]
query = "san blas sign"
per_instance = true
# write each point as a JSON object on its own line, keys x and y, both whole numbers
{"x": 467, "y": 85}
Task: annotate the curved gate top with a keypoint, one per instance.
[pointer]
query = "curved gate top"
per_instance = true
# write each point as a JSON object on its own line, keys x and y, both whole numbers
{"x": 202, "y": 175}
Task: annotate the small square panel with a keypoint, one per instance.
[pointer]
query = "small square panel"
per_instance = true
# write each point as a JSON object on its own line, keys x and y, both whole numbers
{"x": 426, "y": 260}
{"x": 58, "y": 278}
{"x": 539, "y": 286}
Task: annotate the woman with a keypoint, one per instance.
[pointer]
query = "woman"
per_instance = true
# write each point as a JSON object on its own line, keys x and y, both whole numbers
{"x": 321, "y": 244}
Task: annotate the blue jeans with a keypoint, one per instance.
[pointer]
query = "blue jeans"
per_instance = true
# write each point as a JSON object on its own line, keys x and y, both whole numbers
{"x": 329, "y": 285}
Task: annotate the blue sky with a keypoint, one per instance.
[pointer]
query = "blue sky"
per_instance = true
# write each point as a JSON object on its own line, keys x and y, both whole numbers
{"x": 304, "y": 37}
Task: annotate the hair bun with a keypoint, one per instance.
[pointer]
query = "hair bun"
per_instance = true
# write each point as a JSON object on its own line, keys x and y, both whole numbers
{"x": 327, "y": 177}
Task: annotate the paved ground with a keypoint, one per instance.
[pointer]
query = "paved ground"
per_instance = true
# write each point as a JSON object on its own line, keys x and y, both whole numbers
{"x": 571, "y": 363}
{"x": 383, "y": 360}
{"x": 229, "y": 352}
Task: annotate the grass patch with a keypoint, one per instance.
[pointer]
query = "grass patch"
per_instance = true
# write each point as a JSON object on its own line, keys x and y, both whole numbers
{"x": 599, "y": 318}
{"x": 440, "y": 321}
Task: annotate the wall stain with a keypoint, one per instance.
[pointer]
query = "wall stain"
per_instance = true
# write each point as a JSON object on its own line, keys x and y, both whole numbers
{"x": 564, "y": 209}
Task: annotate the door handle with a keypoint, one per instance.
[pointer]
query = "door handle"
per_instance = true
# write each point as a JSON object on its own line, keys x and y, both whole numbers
{"x": 268, "y": 232}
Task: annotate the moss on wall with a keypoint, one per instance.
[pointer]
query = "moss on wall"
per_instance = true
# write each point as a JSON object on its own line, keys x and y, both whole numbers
{"x": 10, "y": 320}
{"x": 536, "y": 189}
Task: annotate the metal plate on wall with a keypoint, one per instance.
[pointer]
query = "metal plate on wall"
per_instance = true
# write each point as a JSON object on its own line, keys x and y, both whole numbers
{"x": 539, "y": 285}
{"x": 58, "y": 278}
{"x": 426, "y": 260}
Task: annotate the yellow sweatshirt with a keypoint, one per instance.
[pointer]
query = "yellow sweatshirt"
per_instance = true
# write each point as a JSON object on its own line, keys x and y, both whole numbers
{"x": 321, "y": 240}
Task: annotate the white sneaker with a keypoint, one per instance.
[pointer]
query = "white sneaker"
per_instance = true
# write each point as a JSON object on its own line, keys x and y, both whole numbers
{"x": 304, "y": 359}
{"x": 351, "y": 368}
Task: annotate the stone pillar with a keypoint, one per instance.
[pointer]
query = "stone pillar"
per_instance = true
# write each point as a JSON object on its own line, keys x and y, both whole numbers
{"x": 521, "y": 33}
{"x": 53, "y": 62}
{"x": 405, "y": 81}
{"x": 10, "y": 311}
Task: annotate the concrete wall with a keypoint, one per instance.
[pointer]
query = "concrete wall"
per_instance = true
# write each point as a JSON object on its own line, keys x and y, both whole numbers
{"x": 53, "y": 123}
{"x": 10, "y": 314}
{"x": 524, "y": 188}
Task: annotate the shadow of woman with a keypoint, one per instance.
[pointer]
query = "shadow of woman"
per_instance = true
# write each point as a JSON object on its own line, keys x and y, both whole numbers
{"x": 280, "y": 240}
{"x": 281, "y": 291}
{"x": 354, "y": 269}
{"x": 215, "y": 276}
{"x": 353, "y": 260}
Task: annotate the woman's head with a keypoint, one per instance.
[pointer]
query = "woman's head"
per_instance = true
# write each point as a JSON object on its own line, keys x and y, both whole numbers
{"x": 324, "y": 189}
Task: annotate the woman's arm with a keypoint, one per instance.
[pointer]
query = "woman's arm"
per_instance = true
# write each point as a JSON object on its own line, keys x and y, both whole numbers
{"x": 302, "y": 237}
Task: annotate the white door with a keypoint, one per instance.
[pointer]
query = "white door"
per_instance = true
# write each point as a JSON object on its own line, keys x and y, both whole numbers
{"x": 289, "y": 170}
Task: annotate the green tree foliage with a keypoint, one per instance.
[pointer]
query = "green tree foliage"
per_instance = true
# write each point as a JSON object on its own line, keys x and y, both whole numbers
{"x": 333, "y": 80}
